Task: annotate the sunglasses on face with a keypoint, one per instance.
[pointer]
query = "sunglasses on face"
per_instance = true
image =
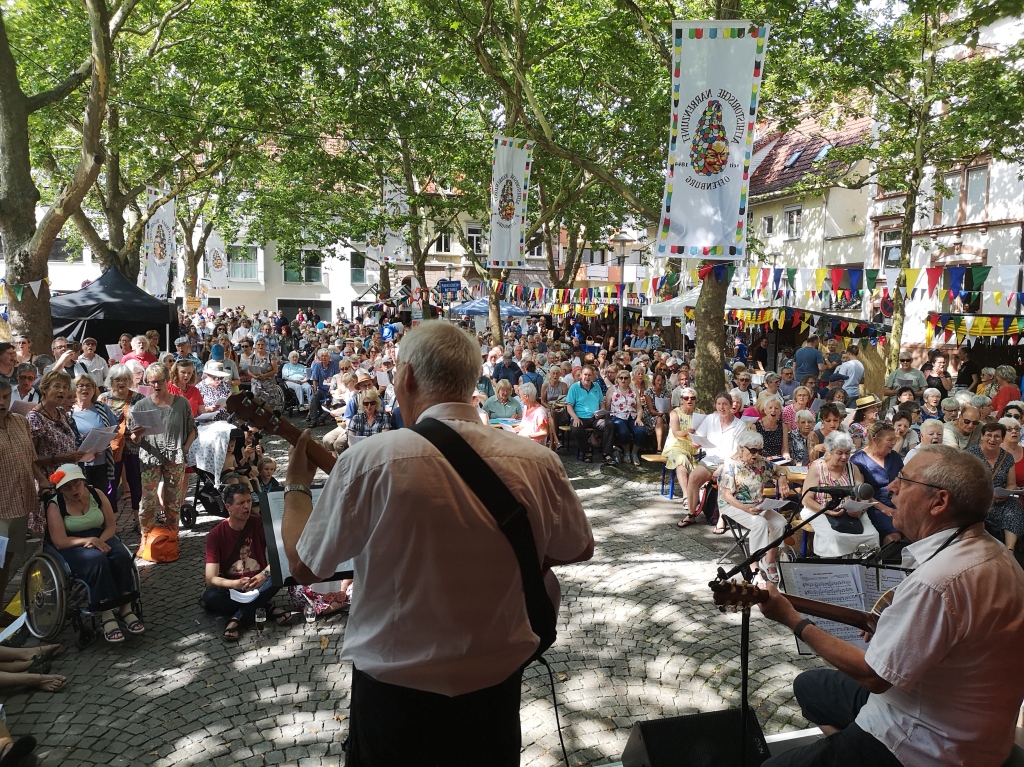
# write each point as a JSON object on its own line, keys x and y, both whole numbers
{"x": 754, "y": 450}
{"x": 688, "y": 399}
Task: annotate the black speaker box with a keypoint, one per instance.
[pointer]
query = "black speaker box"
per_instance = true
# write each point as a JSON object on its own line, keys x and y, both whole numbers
{"x": 711, "y": 739}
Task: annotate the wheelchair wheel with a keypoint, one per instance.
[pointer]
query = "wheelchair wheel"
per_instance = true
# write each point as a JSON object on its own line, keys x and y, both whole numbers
{"x": 44, "y": 596}
{"x": 187, "y": 516}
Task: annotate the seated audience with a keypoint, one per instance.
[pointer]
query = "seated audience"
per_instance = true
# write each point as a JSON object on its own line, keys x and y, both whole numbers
{"x": 1005, "y": 517}
{"x": 836, "y": 532}
{"x": 879, "y": 465}
{"x": 80, "y": 525}
{"x": 741, "y": 491}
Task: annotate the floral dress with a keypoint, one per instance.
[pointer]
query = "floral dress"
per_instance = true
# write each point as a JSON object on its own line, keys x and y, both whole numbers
{"x": 798, "y": 448}
{"x": 51, "y": 437}
{"x": 680, "y": 452}
{"x": 266, "y": 390}
{"x": 772, "y": 439}
{"x": 1005, "y": 514}
{"x": 648, "y": 417}
{"x": 746, "y": 483}
{"x": 623, "y": 404}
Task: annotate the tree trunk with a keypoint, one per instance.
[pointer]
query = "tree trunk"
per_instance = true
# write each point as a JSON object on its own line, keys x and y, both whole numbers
{"x": 709, "y": 364}
{"x": 494, "y": 307}
{"x": 384, "y": 282}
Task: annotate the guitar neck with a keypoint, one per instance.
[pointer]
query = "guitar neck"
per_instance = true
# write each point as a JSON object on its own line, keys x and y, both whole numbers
{"x": 848, "y": 617}
{"x": 320, "y": 456}
{"x": 258, "y": 414}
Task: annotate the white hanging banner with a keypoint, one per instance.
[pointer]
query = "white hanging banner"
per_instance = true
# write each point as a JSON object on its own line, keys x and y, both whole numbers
{"x": 35, "y": 285}
{"x": 716, "y": 80}
{"x": 158, "y": 246}
{"x": 217, "y": 259}
{"x": 510, "y": 182}
{"x": 391, "y": 246}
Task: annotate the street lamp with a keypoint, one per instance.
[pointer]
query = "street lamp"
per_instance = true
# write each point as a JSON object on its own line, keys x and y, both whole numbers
{"x": 622, "y": 242}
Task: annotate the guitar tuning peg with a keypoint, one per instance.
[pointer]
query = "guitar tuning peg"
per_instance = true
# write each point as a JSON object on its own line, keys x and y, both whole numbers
{"x": 735, "y": 608}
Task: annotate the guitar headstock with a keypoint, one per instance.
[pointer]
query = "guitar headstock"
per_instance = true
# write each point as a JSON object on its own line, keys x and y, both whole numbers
{"x": 251, "y": 410}
{"x": 732, "y": 594}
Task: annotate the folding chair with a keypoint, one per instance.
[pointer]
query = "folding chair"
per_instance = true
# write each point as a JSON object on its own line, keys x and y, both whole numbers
{"x": 740, "y": 534}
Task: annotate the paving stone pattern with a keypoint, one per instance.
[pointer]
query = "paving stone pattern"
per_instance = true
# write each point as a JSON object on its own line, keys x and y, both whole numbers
{"x": 638, "y": 639}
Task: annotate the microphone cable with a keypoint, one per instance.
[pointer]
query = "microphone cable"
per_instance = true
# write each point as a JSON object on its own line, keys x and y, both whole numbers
{"x": 554, "y": 702}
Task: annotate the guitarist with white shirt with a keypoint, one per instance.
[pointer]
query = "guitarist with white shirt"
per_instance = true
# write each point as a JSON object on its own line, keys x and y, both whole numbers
{"x": 942, "y": 680}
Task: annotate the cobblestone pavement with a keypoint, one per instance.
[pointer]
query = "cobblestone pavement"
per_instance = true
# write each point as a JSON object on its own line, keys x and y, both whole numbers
{"x": 638, "y": 639}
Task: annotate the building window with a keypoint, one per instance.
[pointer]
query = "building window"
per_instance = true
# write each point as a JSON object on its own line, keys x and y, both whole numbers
{"x": 822, "y": 153}
{"x": 242, "y": 262}
{"x": 357, "y": 263}
{"x": 965, "y": 199}
{"x": 537, "y": 251}
{"x": 791, "y": 160}
{"x": 475, "y": 238}
{"x": 794, "y": 223}
{"x": 443, "y": 243}
{"x": 889, "y": 244}
{"x": 308, "y": 272}
{"x": 768, "y": 226}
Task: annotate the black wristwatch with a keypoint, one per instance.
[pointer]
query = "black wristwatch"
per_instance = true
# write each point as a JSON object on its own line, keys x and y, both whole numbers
{"x": 798, "y": 629}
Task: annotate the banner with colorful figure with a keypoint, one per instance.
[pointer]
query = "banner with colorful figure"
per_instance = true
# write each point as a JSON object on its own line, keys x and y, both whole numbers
{"x": 716, "y": 79}
{"x": 510, "y": 182}
{"x": 217, "y": 260}
{"x": 391, "y": 245}
{"x": 158, "y": 249}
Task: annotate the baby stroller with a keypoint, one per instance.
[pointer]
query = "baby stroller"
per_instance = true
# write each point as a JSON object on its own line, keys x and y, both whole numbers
{"x": 206, "y": 495}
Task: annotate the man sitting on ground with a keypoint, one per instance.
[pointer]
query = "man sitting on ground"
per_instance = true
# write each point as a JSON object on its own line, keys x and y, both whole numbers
{"x": 236, "y": 559}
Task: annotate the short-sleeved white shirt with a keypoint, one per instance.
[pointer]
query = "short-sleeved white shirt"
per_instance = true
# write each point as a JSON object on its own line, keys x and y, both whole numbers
{"x": 439, "y": 604}
{"x": 950, "y": 645}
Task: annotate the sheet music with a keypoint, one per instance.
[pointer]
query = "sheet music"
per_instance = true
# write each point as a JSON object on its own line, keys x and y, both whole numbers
{"x": 272, "y": 531}
{"x": 662, "y": 404}
{"x": 696, "y": 420}
{"x": 841, "y": 585}
{"x": 150, "y": 420}
{"x": 881, "y": 581}
{"x": 97, "y": 440}
{"x": 114, "y": 352}
{"x": 22, "y": 408}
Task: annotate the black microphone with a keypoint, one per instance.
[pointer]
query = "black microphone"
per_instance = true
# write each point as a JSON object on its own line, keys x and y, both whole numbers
{"x": 861, "y": 492}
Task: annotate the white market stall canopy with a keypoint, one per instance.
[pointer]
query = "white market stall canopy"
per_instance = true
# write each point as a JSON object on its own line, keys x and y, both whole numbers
{"x": 675, "y": 307}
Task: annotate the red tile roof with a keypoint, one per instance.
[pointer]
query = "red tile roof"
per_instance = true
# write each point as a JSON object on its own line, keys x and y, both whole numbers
{"x": 808, "y": 138}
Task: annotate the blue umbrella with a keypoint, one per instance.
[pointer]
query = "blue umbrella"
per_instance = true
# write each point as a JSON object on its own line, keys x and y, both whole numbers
{"x": 480, "y": 306}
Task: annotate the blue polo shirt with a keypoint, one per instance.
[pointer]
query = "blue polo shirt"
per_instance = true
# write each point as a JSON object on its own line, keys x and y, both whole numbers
{"x": 584, "y": 402}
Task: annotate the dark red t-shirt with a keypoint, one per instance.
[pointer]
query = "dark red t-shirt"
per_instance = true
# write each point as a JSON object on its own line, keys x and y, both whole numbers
{"x": 252, "y": 556}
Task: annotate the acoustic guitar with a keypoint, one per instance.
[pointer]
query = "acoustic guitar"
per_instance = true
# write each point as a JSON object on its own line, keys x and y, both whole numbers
{"x": 743, "y": 595}
{"x": 251, "y": 410}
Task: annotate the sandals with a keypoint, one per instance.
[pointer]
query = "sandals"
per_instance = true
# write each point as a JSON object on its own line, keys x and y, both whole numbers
{"x": 114, "y": 635}
{"x": 716, "y": 531}
{"x": 39, "y": 665}
{"x": 233, "y": 631}
{"x": 280, "y": 616}
{"x": 588, "y": 458}
{"x": 18, "y": 751}
{"x": 132, "y": 624}
{"x": 689, "y": 519}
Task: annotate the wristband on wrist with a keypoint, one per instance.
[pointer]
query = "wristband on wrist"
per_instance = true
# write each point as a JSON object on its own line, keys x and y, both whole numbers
{"x": 298, "y": 488}
{"x": 798, "y": 629}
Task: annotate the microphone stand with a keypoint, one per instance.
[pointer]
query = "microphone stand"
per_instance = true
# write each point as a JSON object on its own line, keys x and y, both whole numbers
{"x": 744, "y": 567}
{"x": 756, "y": 556}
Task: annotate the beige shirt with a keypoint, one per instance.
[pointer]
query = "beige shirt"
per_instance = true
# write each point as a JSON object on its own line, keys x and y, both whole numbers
{"x": 439, "y": 603}
{"x": 16, "y": 456}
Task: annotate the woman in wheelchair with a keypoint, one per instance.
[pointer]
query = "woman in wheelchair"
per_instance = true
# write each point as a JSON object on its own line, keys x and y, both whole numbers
{"x": 80, "y": 526}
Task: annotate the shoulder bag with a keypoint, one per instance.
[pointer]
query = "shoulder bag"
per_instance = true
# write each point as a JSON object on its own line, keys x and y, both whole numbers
{"x": 512, "y": 520}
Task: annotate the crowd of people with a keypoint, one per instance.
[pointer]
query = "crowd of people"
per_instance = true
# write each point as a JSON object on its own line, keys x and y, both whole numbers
{"x": 811, "y": 422}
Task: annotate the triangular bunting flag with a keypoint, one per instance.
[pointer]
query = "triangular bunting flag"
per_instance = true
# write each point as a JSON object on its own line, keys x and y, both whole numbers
{"x": 18, "y": 290}
{"x": 871, "y": 276}
{"x": 934, "y": 274}
{"x": 819, "y": 279}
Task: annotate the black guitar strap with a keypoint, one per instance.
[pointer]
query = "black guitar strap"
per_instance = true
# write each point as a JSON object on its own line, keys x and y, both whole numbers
{"x": 511, "y": 517}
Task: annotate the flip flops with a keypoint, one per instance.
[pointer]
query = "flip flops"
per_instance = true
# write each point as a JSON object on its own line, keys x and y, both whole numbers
{"x": 689, "y": 519}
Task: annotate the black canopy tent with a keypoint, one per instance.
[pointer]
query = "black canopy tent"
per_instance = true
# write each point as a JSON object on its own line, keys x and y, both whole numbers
{"x": 110, "y": 306}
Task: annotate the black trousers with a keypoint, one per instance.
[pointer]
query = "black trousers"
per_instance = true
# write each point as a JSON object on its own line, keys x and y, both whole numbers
{"x": 392, "y": 726}
{"x": 604, "y": 432}
{"x": 829, "y": 697}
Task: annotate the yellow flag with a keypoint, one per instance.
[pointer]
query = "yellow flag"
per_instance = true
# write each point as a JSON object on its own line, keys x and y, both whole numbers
{"x": 819, "y": 278}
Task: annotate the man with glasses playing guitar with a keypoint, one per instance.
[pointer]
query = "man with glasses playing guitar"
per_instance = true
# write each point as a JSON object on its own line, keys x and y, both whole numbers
{"x": 942, "y": 679}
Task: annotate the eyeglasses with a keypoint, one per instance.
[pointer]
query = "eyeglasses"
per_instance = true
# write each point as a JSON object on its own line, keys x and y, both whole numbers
{"x": 369, "y": 402}
{"x": 27, "y": 377}
{"x": 22, "y": 343}
{"x": 688, "y": 399}
{"x": 905, "y": 359}
{"x": 969, "y": 422}
{"x": 903, "y": 478}
{"x": 155, "y": 381}
{"x": 60, "y": 348}
{"x": 753, "y": 450}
